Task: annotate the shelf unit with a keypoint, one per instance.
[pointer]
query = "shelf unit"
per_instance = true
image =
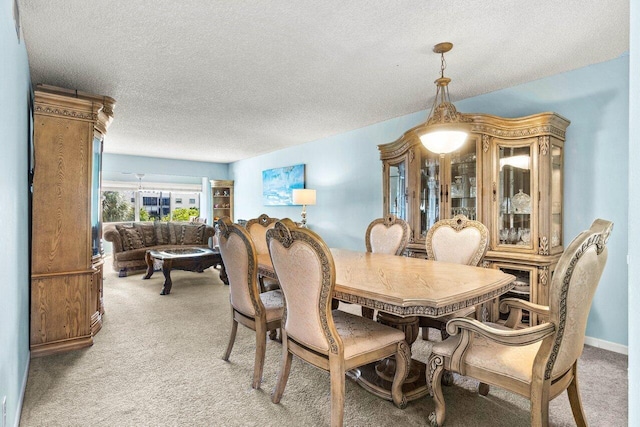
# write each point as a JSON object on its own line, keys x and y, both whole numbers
{"x": 222, "y": 199}
{"x": 508, "y": 175}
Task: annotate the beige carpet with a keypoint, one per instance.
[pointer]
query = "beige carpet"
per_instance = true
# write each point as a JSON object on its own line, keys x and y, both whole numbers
{"x": 157, "y": 362}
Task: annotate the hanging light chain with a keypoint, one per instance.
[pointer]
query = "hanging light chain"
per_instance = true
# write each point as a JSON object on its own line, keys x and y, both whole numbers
{"x": 443, "y": 64}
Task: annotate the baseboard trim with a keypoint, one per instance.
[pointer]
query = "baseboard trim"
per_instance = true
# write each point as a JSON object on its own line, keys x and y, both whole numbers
{"x": 607, "y": 345}
{"x": 22, "y": 392}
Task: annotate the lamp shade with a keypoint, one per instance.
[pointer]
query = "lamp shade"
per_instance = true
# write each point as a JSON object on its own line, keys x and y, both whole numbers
{"x": 304, "y": 197}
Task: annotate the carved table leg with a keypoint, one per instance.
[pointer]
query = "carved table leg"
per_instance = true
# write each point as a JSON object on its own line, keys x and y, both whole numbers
{"x": 386, "y": 369}
{"x": 377, "y": 377}
{"x": 149, "y": 261}
{"x": 166, "y": 270}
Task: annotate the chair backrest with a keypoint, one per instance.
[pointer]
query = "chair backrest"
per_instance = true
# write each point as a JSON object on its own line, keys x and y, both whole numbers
{"x": 573, "y": 285}
{"x": 388, "y": 235}
{"x": 306, "y": 272}
{"x": 239, "y": 257}
{"x": 458, "y": 240}
{"x": 257, "y": 228}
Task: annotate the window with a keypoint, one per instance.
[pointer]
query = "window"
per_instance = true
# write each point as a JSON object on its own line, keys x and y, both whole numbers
{"x": 124, "y": 201}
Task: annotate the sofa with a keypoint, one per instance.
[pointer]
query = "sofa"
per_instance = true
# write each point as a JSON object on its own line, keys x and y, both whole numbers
{"x": 131, "y": 241}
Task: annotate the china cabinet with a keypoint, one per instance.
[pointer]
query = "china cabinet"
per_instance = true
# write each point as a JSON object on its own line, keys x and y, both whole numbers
{"x": 508, "y": 175}
{"x": 222, "y": 199}
{"x": 67, "y": 255}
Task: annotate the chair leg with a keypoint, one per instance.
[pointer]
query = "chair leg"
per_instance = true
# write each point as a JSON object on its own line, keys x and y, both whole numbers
{"x": 403, "y": 361}
{"x": 425, "y": 333}
{"x": 261, "y": 348}
{"x": 337, "y": 375}
{"x": 367, "y": 312}
{"x": 574, "y": 399}
{"x": 232, "y": 338}
{"x": 283, "y": 375}
{"x": 483, "y": 389}
{"x": 434, "y": 377}
{"x": 540, "y": 407}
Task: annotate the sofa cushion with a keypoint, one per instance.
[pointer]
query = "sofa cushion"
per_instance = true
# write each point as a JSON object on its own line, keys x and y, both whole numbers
{"x": 131, "y": 238}
{"x": 193, "y": 234}
{"x": 148, "y": 233}
{"x": 175, "y": 233}
{"x": 162, "y": 232}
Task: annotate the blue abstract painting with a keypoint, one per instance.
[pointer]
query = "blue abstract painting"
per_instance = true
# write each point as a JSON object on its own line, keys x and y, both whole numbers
{"x": 279, "y": 183}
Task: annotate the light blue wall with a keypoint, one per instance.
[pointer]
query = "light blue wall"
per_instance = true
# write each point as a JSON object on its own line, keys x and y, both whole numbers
{"x": 120, "y": 167}
{"x": 634, "y": 207}
{"x": 595, "y": 99}
{"x": 14, "y": 250}
{"x": 346, "y": 171}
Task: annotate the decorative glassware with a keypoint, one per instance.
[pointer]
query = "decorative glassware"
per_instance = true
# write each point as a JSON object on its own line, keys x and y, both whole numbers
{"x": 521, "y": 203}
{"x": 503, "y": 235}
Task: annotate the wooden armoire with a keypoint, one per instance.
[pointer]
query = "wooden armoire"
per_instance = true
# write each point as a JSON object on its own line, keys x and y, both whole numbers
{"x": 67, "y": 254}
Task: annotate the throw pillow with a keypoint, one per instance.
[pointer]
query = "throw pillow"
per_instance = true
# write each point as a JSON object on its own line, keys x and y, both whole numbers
{"x": 148, "y": 233}
{"x": 175, "y": 233}
{"x": 162, "y": 232}
{"x": 193, "y": 234}
{"x": 131, "y": 239}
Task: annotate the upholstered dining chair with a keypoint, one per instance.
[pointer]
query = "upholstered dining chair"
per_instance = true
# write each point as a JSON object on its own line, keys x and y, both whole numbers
{"x": 335, "y": 341}
{"x": 538, "y": 362}
{"x": 259, "y": 311}
{"x": 257, "y": 228}
{"x": 388, "y": 235}
{"x": 458, "y": 240}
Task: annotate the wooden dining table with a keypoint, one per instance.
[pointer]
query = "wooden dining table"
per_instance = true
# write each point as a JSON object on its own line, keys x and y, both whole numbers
{"x": 402, "y": 289}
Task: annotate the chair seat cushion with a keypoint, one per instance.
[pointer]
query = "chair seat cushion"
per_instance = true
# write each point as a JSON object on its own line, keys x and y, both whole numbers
{"x": 273, "y": 304}
{"x": 361, "y": 335}
{"x": 515, "y": 362}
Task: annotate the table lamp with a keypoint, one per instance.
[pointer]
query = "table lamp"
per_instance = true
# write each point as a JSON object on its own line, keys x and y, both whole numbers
{"x": 304, "y": 197}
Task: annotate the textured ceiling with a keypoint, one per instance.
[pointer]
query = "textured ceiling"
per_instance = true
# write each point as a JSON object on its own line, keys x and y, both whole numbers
{"x": 226, "y": 80}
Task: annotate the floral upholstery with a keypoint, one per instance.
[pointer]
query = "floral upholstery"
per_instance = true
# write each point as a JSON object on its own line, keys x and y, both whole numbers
{"x": 388, "y": 235}
{"x": 273, "y": 302}
{"x": 257, "y": 228}
{"x": 258, "y": 232}
{"x": 361, "y": 336}
{"x": 236, "y": 261}
{"x": 538, "y": 362}
{"x": 457, "y": 240}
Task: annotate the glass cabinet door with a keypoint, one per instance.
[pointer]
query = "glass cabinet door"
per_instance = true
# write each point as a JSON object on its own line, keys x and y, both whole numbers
{"x": 556, "y": 195}
{"x": 96, "y": 205}
{"x": 463, "y": 181}
{"x": 429, "y": 191}
{"x": 514, "y": 190}
{"x": 398, "y": 190}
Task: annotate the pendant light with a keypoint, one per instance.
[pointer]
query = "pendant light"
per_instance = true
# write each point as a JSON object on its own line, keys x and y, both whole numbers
{"x": 445, "y": 130}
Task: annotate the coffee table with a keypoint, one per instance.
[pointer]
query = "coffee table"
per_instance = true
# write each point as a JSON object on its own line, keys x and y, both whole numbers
{"x": 187, "y": 259}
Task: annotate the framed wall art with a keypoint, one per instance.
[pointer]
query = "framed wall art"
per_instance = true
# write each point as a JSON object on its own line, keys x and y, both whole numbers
{"x": 279, "y": 183}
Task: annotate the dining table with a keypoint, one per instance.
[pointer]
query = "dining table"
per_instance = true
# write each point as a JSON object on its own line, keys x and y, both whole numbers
{"x": 402, "y": 289}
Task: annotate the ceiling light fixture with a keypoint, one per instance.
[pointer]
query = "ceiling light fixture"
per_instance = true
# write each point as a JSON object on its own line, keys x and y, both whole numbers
{"x": 444, "y": 127}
